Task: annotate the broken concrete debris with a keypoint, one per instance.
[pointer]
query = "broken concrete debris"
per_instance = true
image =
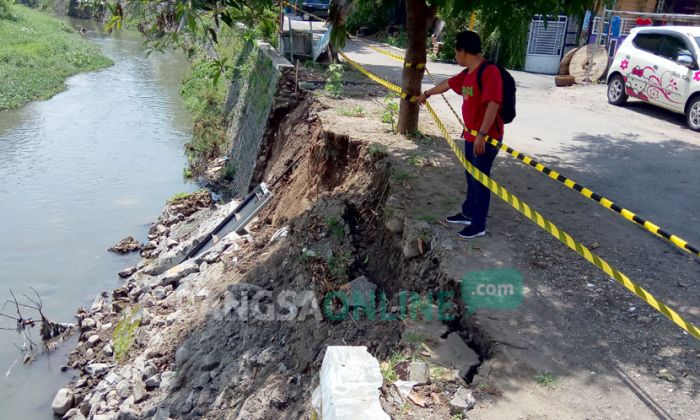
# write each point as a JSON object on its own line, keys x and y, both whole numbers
{"x": 350, "y": 382}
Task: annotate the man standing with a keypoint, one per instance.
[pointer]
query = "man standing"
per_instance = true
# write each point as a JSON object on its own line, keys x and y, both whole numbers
{"x": 482, "y": 93}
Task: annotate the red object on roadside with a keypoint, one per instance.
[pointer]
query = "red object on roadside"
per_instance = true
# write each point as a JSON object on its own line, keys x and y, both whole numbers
{"x": 644, "y": 21}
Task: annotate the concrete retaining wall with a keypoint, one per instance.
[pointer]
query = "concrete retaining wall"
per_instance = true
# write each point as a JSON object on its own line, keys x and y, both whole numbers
{"x": 253, "y": 89}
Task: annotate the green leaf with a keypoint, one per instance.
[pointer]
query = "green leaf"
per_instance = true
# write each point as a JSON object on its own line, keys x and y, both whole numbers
{"x": 191, "y": 22}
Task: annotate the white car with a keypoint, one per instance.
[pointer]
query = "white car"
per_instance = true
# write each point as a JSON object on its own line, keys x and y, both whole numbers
{"x": 659, "y": 65}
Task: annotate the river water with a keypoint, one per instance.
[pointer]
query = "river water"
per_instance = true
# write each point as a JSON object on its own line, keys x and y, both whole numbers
{"x": 79, "y": 172}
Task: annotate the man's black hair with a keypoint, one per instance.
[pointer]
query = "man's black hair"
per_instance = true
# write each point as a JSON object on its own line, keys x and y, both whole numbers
{"x": 469, "y": 42}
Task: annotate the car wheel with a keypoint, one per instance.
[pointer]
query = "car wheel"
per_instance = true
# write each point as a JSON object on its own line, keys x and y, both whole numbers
{"x": 616, "y": 91}
{"x": 694, "y": 114}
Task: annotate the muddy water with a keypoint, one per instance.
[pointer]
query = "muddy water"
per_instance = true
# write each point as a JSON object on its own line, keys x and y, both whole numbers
{"x": 78, "y": 172}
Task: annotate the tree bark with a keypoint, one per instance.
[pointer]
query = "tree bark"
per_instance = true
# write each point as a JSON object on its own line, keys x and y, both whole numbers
{"x": 418, "y": 14}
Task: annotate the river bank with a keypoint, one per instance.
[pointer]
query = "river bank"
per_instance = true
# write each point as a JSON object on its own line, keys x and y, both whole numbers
{"x": 173, "y": 341}
{"x": 38, "y": 53}
{"x": 359, "y": 208}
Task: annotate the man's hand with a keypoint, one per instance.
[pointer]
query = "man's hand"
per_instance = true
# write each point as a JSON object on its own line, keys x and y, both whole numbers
{"x": 479, "y": 145}
{"x": 422, "y": 98}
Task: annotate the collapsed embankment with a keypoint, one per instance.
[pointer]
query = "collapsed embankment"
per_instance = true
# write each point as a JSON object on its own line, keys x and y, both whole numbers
{"x": 240, "y": 331}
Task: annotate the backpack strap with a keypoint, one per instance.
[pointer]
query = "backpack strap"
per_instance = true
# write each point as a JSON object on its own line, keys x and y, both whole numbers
{"x": 480, "y": 73}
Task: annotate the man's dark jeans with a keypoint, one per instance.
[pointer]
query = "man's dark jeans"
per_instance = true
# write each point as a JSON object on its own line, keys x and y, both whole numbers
{"x": 476, "y": 205}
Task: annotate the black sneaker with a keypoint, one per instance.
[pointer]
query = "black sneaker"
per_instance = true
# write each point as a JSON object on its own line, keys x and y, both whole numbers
{"x": 459, "y": 219}
{"x": 471, "y": 232}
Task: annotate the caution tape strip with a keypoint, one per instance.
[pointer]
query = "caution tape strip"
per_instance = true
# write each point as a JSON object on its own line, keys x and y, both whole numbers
{"x": 536, "y": 217}
{"x": 568, "y": 182}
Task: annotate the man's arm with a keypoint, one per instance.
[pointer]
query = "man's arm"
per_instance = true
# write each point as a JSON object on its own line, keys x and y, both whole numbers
{"x": 489, "y": 118}
{"x": 443, "y": 87}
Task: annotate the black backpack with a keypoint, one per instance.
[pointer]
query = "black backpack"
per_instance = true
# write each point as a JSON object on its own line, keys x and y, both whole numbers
{"x": 508, "y": 105}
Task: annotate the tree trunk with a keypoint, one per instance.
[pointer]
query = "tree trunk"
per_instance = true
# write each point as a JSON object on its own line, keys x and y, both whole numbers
{"x": 418, "y": 14}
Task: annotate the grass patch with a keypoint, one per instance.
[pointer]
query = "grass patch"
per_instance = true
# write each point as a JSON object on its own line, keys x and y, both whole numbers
{"x": 388, "y": 366}
{"x": 38, "y": 53}
{"x": 546, "y": 380}
{"x": 125, "y": 333}
{"x": 177, "y": 197}
{"x": 355, "y": 111}
{"x": 436, "y": 372}
{"x": 335, "y": 227}
{"x": 338, "y": 264}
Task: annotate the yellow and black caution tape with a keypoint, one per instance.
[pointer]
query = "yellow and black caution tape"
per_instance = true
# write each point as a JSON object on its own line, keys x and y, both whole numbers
{"x": 536, "y": 217}
{"x": 586, "y": 192}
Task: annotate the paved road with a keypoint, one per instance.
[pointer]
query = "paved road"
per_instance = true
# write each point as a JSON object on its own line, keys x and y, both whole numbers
{"x": 642, "y": 156}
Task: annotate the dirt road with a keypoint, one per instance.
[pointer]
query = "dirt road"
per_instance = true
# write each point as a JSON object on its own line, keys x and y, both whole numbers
{"x": 604, "y": 346}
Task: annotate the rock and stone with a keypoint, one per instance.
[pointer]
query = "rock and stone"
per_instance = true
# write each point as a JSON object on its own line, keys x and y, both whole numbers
{"x": 149, "y": 370}
{"x": 362, "y": 289}
{"x": 394, "y": 225}
{"x": 127, "y": 412}
{"x": 127, "y": 272}
{"x": 97, "y": 305}
{"x": 173, "y": 275}
{"x": 126, "y": 245}
{"x": 73, "y": 414}
{"x": 62, "y": 402}
{"x": 107, "y": 350}
{"x": 112, "y": 378}
{"x": 419, "y": 373}
{"x": 280, "y": 234}
{"x": 97, "y": 369}
{"x": 404, "y": 388}
{"x": 153, "y": 381}
{"x": 123, "y": 389}
{"x": 139, "y": 391}
{"x": 105, "y": 416}
{"x": 93, "y": 340}
{"x": 171, "y": 318}
{"x": 211, "y": 361}
{"x": 461, "y": 402}
{"x": 410, "y": 249}
{"x": 159, "y": 293}
{"x": 88, "y": 324}
{"x": 453, "y": 351}
{"x": 167, "y": 380}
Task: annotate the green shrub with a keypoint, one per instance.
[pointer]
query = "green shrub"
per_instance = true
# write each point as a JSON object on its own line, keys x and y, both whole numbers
{"x": 503, "y": 33}
{"x": 334, "y": 80}
{"x": 390, "y": 115}
{"x": 373, "y": 14}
